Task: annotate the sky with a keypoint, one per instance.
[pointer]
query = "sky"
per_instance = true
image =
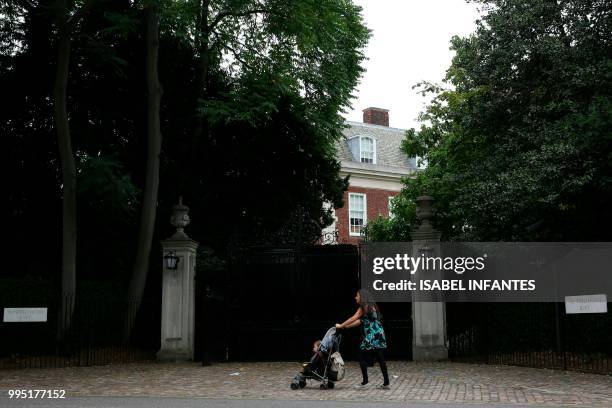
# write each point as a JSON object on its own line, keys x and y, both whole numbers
{"x": 410, "y": 43}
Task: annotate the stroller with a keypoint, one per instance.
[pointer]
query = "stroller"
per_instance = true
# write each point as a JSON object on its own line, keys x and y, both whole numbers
{"x": 326, "y": 365}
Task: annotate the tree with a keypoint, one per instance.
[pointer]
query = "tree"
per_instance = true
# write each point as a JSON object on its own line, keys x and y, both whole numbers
{"x": 518, "y": 141}
{"x": 154, "y": 142}
{"x": 270, "y": 113}
{"x": 251, "y": 57}
{"x": 105, "y": 194}
{"x": 67, "y": 21}
{"x": 396, "y": 228}
{"x": 313, "y": 47}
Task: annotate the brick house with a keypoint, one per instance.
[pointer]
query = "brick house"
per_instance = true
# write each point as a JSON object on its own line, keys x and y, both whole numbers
{"x": 370, "y": 153}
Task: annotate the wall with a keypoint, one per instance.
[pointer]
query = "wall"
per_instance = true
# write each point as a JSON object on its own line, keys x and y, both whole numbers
{"x": 377, "y": 202}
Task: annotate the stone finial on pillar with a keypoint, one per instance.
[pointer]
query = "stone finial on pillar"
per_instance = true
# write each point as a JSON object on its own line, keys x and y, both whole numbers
{"x": 424, "y": 212}
{"x": 178, "y": 291}
{"x": 180, "y": 219}
{"x": 428, "y": 312}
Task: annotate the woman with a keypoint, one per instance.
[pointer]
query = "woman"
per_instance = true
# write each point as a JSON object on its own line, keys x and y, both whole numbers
{"x": 374, "y": 342}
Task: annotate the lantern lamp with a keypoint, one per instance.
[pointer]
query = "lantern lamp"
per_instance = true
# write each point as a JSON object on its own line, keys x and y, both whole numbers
{"x": 171, "y": 260}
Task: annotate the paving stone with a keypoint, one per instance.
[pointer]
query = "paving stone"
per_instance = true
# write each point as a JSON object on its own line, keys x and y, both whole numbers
{"x": 435, "y": 382}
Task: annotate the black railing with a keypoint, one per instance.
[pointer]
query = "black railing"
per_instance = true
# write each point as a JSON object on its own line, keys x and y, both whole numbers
{"x": 537, "y": 335}
{"x": 81, "y": 332}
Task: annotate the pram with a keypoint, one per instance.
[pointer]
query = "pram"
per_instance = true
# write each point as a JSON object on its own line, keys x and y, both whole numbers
{"x": 326, "y": 365}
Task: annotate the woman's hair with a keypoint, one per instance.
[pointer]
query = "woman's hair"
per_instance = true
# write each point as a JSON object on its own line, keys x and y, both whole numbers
{"x": 367, "y": 303}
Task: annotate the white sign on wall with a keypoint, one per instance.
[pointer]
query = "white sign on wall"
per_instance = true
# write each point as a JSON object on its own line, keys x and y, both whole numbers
{"x": 25, "y": 314}
{"x": 586, "y": 304}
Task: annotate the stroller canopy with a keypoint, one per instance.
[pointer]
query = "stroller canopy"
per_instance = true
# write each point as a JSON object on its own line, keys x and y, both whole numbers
{"x": 329, "y": 341}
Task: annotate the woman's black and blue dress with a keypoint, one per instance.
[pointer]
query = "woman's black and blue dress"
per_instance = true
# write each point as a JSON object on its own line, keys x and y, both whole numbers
{"x": 373, "y": 345}
{"x": 373, "y": 332}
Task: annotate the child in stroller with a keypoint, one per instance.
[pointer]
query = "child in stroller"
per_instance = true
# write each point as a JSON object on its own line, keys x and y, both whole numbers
{"x": 326, "y": 364}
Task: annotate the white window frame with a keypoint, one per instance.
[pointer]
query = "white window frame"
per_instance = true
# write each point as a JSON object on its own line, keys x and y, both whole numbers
{"x": 365, "y": 213}
{"x": 361, "y": 139}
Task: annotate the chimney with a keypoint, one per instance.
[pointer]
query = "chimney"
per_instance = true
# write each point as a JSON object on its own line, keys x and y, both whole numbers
{"x": 376, "y": 116}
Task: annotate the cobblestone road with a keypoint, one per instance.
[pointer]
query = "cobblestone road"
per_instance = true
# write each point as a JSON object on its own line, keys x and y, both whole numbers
{"x": 438, "y": 382}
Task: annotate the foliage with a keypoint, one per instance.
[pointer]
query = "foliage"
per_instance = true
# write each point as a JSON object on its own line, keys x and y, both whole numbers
{"x": 277, "y": 82}
{"x": 519, "y": 141}
{"x": 261, "y": 177}
{"x": 396, "y": 228}
{"x": 313, "y": 47}
{"x": 103, "y": 184}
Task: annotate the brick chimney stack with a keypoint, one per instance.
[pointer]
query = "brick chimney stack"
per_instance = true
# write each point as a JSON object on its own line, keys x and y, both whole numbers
{"x": 376, "y": 116}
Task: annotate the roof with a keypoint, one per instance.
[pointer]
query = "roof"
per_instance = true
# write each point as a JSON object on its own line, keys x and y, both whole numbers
{"x": 388, "y": 146}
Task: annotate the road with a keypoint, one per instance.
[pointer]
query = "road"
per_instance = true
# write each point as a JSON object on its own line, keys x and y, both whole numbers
{"x": 165, "y": 402}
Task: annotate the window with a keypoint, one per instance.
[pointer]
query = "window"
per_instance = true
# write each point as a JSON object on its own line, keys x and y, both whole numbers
{"x": 367, "y": 150}
{"x": 363, "y": 149}
{"x": 357, "y": 213}
{"x": 390, "y": 206}
{"x": 421, "y": 163}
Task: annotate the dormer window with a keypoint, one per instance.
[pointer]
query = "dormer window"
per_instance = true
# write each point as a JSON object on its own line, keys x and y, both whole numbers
{"x": 363, "y": 149}
{"x": 367, "y": 149}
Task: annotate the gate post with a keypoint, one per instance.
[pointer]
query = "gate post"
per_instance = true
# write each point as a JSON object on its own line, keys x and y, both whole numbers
{"x": 178, "y": 291}
{"x": 428, "y": 313}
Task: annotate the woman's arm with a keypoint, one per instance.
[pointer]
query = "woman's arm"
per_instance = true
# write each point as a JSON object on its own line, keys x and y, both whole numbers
{"x": 353, "y": 324}
{"x": 348, "y": 323}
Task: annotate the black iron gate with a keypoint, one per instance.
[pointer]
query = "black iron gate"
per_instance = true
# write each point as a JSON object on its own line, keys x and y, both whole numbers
{"x": 275, "y": 302}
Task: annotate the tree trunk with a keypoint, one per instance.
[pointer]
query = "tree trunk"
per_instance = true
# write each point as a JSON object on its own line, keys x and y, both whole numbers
{"x": 69, "y": 221}
{"x": 66, "y": 26}
{"x": 201, "y": 78}
{"x": 149, "y": 199}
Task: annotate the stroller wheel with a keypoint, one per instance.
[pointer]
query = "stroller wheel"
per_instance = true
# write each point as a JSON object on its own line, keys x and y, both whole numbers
{"x": 294, "y": 386}
{"x": 330, "y": 385}
{"x": 302, "y": 384}
{"x": 323, "y": 386}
